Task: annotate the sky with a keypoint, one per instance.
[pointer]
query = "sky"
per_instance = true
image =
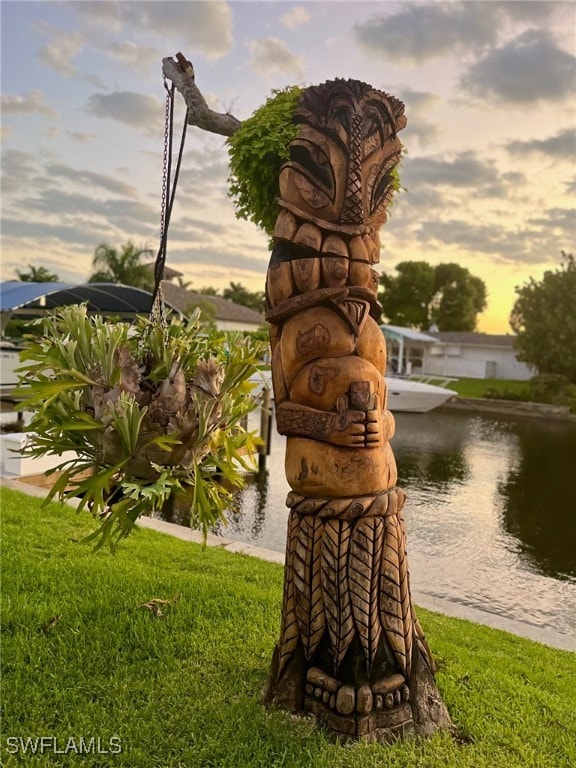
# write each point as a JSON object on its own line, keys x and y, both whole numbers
{"x": 489, "y": 173}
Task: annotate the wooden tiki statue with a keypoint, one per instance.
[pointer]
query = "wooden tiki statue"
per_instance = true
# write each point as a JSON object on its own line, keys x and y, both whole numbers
{"x": 351, "y": 650}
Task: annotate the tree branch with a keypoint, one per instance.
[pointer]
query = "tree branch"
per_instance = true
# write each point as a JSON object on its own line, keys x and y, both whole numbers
{"x": 181, "y": 73}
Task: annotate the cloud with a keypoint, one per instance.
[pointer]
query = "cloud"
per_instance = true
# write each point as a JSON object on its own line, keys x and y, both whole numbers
{"x": 530, "y": 10}
{"x": 562, "y": 146}
{"x": 89, "y": 179}
{"x": 464, "y": 171}
{"x": 422, "y": 31}
{"x": 417, "y": 104}
{"x": 131, "y": 218}
{"x": 74, "y": 234}
{"x": 269, "y": 54}
{"x": 235, "y": 260}
{"x": 133, "y": 109}
{"x": 504, "y": 245}
{"x": 187, "y": 229}
{"x": 64, "y": 47}
{"x": 528, "y": 68}
{"x": 207, "y": 26}
{"x": 562, "y": 219}
{"x": 32, "y": 102}
{"x": 419, "y": 101}
{"x": 82, "y": 137}
{"x": 18, "y": 171}
{"x": 131, "y": 55}
{"x": 296, "y": 16}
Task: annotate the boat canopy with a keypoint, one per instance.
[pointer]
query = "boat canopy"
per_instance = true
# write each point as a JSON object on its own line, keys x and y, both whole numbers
{"x": 397, "y": 332}
{"x": 401, "y": 342}
{"x": 108, "y": 298}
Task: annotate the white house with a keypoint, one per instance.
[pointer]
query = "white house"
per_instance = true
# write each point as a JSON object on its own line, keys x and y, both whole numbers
{"x": 454, "y": 353}
{"x": 476, "y": 355}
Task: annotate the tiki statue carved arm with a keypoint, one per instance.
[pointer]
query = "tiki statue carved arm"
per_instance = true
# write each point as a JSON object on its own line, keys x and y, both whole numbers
{"x": 344, "y": 427}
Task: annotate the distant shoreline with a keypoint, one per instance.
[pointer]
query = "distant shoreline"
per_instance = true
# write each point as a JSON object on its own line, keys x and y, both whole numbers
{"x": 510, "y": 408}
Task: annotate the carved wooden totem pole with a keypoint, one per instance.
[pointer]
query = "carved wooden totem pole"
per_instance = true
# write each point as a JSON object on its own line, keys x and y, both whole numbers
{"x": 351, "y": 650}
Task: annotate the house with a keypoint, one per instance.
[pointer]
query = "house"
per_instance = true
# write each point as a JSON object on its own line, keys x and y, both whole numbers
{"x": 228, "y": 316}
{"x": 476, "y": 355}
{"x": 454, "y": 353}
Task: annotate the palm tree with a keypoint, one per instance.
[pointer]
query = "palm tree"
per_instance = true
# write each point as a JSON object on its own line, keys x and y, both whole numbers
{"x": 37, "y": 275}
{"x": 241, "y": 295}
{"x": 124, "y": 266}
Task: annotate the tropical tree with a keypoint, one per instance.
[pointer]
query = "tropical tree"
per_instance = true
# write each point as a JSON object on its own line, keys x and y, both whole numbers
{"x": 241, "y": 295}
{"x": 459, "y": 297}
{"x": 182, "y": 283}
{"x": 37, "y": 275}
{"x": 544, "y": 320}
{"x": 407, "y": 298}
{"x": 420, "y": 295}
{"x": 122, "y": 266}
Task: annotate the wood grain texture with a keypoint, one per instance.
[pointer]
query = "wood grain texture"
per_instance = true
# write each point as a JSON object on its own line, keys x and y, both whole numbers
{"x": 335, "y": 588}
{"x": 395, "y": 608}
{"x": 363, "y": 576}
{"x": 307, "y": 582}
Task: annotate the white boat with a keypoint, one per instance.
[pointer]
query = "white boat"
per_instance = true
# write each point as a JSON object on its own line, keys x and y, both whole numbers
{"x": 412, "y": 396}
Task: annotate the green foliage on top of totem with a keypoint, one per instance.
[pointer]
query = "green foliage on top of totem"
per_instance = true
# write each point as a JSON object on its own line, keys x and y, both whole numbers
{"x": 257, "y": 151}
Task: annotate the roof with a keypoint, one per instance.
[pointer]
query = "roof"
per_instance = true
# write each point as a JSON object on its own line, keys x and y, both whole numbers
{"x": 181, "y": 299}
{"x": 472, "y": 338}
{"x": 107, "y": 298}
{"x": 397, "y": 332}
{"x": 167, "y": 273}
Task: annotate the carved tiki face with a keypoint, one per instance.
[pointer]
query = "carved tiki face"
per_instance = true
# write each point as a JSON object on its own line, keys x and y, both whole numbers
{"x": 339, "y": 174}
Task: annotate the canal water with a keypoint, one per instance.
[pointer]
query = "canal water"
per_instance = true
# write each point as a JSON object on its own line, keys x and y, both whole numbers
{"x": 490, "y": 517}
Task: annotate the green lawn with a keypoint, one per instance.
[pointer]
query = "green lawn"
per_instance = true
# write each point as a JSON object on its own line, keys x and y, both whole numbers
{"x": 82, "y": 658}
{"x": 478, "y": 387}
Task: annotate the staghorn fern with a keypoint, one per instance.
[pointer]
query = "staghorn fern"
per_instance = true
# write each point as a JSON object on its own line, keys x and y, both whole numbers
{"x": 150, "y": 413}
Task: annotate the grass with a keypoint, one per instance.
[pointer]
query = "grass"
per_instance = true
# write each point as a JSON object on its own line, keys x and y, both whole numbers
{"x": 479, "y": 387}
{"x": 182, "y": 689}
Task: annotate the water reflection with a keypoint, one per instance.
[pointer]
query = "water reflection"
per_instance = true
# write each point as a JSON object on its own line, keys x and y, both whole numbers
{"x": 429, "y": 455}
{"x": 539, "y": 499}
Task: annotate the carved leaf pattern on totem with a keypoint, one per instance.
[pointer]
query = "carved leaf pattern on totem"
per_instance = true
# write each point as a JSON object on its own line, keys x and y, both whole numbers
{"x": 306, "y": 558}
{"x": 363, "y": 576}
{"x": 335, "y": 588}
{"x": 395, "y": 608}
{"x": 289, "y": 629}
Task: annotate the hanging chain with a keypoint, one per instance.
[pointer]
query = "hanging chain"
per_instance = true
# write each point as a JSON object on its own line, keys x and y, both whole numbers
{"x": 157, "y": 313}
{"x": 165, "y": 179}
